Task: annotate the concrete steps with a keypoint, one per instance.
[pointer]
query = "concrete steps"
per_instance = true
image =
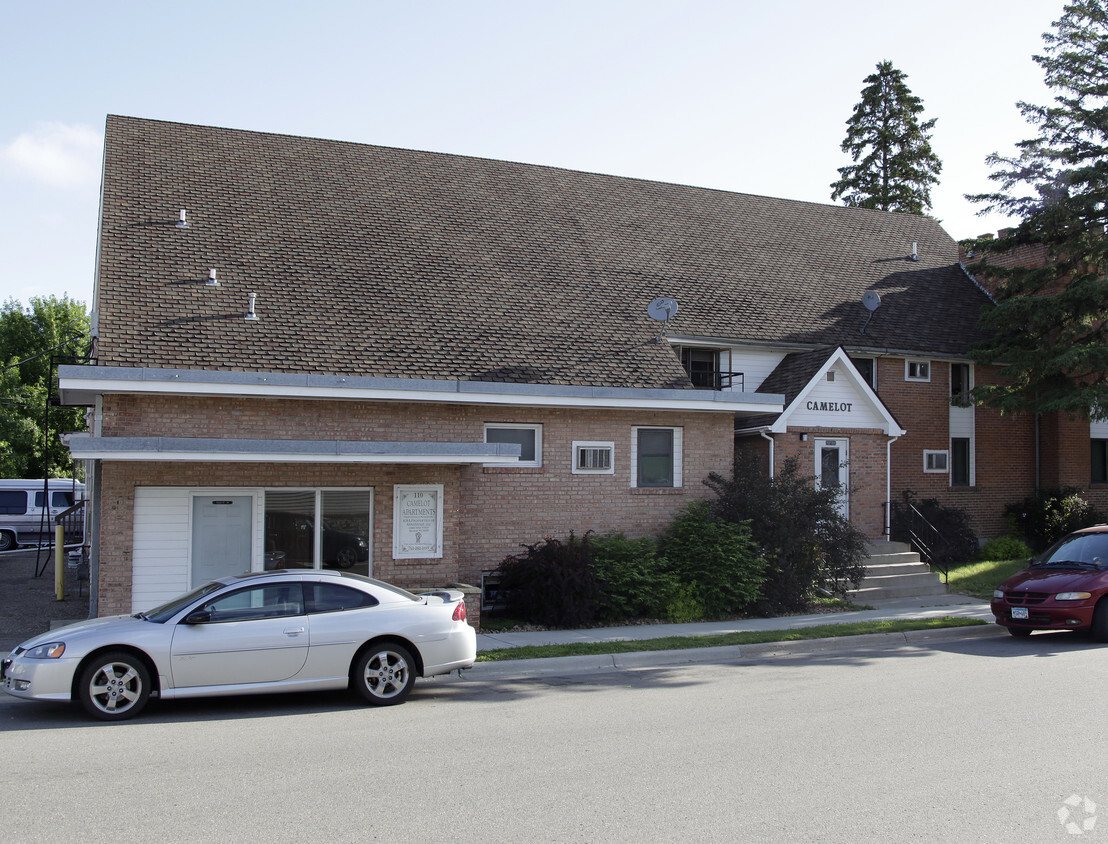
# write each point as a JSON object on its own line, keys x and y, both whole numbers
{"x": 895, "y": 571}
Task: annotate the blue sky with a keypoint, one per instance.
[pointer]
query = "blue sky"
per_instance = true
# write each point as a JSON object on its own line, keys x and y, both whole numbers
{"x": 740, "y": 95}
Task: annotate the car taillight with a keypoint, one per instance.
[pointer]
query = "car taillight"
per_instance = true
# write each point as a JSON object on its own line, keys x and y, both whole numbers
{"x": 460, "y": 612}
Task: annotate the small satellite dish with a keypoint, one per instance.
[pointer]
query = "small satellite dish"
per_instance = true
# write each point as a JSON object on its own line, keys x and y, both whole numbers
{"x": 662, "y": 309}
{"x": 872, "y": 302}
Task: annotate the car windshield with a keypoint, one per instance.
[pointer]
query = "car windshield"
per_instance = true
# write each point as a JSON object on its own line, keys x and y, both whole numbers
{"x": 1082, "y": 549}
{"x": 162, "y": 614}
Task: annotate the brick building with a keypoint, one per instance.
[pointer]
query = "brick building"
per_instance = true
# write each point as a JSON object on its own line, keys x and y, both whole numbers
{"x": 407, "y": 364}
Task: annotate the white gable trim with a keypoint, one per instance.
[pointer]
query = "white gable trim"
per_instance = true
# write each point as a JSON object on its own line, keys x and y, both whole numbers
{"x": 887, "y": 423}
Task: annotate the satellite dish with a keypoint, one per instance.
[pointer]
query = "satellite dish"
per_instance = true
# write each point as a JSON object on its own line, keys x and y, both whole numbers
{"x": 662, "y": 309}
{"x": 871, "y": 300}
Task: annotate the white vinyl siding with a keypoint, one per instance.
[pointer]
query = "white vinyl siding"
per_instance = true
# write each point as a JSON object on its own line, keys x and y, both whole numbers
{"x": 160, "y": 547}
{"x": 161, "y": 542}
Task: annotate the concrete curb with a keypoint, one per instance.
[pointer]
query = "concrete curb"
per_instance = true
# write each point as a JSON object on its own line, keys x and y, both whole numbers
{"x": 568, "y": 666}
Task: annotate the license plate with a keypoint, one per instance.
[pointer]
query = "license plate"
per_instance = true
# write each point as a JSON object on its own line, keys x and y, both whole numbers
{"x": 1019, "y": 612}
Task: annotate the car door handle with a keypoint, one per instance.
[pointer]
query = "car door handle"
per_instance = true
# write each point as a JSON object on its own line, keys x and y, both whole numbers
{"x": 293, "y": 631}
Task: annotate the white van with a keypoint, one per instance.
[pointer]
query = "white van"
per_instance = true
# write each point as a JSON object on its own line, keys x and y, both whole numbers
{"x": 27, "y": 515}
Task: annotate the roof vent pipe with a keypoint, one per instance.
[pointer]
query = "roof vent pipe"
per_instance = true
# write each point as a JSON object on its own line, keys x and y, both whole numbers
{"x": 212, "y": 280}
{"x": 915, "y": 255}
{"x": 250, "y": 315}
{"x": 182, "y": 222}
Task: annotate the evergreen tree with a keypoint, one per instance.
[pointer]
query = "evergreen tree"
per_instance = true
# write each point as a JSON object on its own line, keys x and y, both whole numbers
{"x": 894, "y": 166}
{"x": 1050, "y": 320}
{"x": 28, "y": 338}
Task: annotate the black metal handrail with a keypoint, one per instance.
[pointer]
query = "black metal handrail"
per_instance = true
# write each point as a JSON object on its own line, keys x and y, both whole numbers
{"x": 72, "y": 521}
{"x": 908, "y": 524}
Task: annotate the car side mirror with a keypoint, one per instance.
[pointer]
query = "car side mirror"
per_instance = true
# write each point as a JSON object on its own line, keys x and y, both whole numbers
{"x": 198, "y": 617}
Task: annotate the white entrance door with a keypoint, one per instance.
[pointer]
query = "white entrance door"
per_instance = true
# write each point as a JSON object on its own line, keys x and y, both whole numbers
{"x": 221, "y": 536}
{"x": 832, "y": 457}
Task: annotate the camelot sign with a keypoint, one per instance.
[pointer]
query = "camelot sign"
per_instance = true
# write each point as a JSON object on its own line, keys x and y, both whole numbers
{"x": 830, "y": 406}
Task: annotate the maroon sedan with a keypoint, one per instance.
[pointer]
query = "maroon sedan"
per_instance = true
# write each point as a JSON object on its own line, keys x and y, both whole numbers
{"x": 1064, "y": 588}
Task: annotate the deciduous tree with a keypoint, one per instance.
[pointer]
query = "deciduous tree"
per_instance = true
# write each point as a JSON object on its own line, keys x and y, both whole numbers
{"x": 29, "y": 338}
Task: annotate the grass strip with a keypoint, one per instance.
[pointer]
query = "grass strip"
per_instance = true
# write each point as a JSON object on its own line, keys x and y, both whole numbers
{"x": 749, "y": 637}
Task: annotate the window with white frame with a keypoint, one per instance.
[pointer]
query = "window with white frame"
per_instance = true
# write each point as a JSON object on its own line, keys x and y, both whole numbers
{"x": 917, "y": 370}
{"x": 1099, "y": 460}
{"x": 593, "y": 458}
{"x": 936, "y": 460}
{"x": 528, "y": 437}
{"x": 656, "y": 457}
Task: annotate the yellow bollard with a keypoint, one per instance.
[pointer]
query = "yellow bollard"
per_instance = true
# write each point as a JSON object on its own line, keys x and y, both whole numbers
{"x": 59, "y": 562}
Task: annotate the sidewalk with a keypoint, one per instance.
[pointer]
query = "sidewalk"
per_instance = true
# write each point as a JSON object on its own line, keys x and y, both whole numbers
{"x": 961, "y": 606}
{"x": 28, "y": 607}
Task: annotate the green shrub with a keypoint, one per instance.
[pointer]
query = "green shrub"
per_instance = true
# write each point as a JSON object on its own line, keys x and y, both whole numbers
{"x": 797, "y": 528}
{"x": 952, "y": 523}
{"x": 1051, "y": 514}
{"x": 631, "y": 577}
{"x": 683, "y": 606}
{"x": 1005, "y": 548}
{"x": 717, "y": 557}
{"x": 552, "y": 583}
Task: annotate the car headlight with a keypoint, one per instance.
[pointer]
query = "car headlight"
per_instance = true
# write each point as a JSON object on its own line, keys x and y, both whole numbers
{"x": 1072, "y": 596}
{"x": 53, "y": 650}
{"x": 997, "y": 593}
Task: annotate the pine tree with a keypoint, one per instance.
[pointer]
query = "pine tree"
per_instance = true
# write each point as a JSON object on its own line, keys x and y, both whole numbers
{"x": 1051, "y": 320}
{"x": 894, "y": 166}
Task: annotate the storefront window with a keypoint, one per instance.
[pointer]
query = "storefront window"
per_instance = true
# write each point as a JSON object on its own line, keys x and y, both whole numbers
{"x": 341, "y": 540}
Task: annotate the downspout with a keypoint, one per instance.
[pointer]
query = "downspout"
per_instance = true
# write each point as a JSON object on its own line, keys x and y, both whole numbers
{"x": 769, "y": 439}
{"x": 1038, "y": 458}
{"x": 889, "y": 487}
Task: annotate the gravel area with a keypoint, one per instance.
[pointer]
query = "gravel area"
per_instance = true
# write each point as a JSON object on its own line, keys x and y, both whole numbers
{"x": 28, "y": 605}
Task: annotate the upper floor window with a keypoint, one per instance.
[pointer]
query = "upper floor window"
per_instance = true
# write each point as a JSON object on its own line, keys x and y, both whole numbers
{"x": 960, "y": 385}
{"x": 917, "y": 370}
{"x": 867, "y": 370}
{"x": 707, "y": 369}
{"x": 527, "y": 437}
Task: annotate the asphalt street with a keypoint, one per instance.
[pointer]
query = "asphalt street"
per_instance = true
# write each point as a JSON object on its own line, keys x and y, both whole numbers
{"x": 969, "y": 737}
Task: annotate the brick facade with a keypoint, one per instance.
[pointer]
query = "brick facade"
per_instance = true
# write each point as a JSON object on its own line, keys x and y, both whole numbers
{"x": 488, "y": 511}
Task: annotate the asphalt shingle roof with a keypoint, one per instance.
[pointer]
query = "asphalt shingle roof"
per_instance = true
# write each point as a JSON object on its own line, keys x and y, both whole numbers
{"x": 377, "y": 261}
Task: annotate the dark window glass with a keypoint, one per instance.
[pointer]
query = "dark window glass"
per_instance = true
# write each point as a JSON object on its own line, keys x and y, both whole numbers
{"x": 1100, "y": 461}
{"x": 333, "y": 597}
{"x": 58, "y": 500}
{"x": 523, "y": 437}
{"x": 13, "y": 502}
{"x": 703, "y": 367}
{"x": 865, "y": 369}
{"x": 959, "y": 461}
{"x": 655, "y": 457}
{"x": 274, "y": 600}
{"x": 959, "y": 383}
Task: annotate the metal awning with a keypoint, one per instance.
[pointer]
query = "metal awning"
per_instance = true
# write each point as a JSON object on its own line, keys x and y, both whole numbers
{"x": 216, "y": 450}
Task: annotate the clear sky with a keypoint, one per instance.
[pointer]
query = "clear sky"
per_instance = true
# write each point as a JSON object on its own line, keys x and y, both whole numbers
{"x": 741, "y": 95}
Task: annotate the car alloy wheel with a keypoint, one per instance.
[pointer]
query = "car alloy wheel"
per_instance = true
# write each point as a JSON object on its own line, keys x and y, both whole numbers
{"x": 384, "y": 674}
{"x": 114, "y": 686}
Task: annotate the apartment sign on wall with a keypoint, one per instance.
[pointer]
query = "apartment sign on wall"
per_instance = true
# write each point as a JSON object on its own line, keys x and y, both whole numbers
{"x": 417, "y": 521}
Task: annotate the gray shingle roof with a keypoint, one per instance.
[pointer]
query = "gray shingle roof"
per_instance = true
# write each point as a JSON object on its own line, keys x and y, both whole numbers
{"x": 385, "y": 262}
